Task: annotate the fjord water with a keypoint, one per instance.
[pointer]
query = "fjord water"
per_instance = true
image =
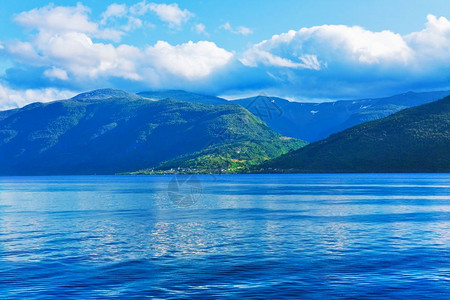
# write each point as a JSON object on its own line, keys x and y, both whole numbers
{"x": 230, "y": 236}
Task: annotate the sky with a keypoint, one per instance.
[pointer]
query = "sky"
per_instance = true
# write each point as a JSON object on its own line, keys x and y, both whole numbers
{"x": 302, "y": 50}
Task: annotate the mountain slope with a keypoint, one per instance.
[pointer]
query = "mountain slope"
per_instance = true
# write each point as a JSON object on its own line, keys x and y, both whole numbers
{"x": 237, "y": 156}
{"x": 105, "y": 94}
{"x": 316, "y": 121}
{"x": 183, "y": 96}
{"x": 108, "y": 131}
{"x": 413, "y": 140}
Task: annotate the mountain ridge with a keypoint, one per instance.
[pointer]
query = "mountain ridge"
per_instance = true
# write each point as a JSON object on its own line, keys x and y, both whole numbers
{"x": 413, "y": 140}
{"x": 316, "y": 121}
{"x": 104, "y": 94}
{"x": 114, "y": 132}
{"x": 183, "y": 96}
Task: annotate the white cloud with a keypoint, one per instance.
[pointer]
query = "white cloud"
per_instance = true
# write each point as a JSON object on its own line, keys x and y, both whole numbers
{"x": 190, "y": 60}
{"x": 169, "y": 13}
{"x": 335, "y": 60}
{"x": 242, "y": 30}
{"x": 309, "y": 61}
{"x": 73, "y": 54}
{"x": 120, "y": 11}
{"x": 140, "y": 8}
{"x": 23, "y": 51}
{"x": 436, "y": 32}
{"x": 109, "y": 34}
{"x": 12, "y": 98}
{"x": 85, "y": 59}
{"x": 69, "y": 48}
{"x": 114, "y": 11}
{"x": 60, "y": 19}
{"x": 317, "y": 62}
{"x": 56, "y": 73}
{"x": 227, "y": 26}
{"x": 77, "y": 58}
{"x": 432, "y": 44}
{"x": 330, "y": 43}
{"x": 133, "y": 23}
{"x": 200, "y": 29}
{"x": 257, "y": 56}
{"x": 63, "y": 47}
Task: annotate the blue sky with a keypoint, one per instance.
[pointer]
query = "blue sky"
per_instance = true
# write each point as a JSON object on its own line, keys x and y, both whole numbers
{"x": 302, "y": 50}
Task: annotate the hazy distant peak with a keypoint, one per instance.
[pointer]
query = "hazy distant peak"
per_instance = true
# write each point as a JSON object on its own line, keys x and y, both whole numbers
{"x": 181, "y": 95}
{"x": 103, "y": 94}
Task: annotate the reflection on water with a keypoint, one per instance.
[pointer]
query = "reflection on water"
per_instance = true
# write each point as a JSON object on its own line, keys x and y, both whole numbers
{"x": 254, "y": 235}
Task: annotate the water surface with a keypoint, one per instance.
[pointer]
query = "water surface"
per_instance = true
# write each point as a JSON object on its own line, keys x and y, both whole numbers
{"x": 234, "y": 236}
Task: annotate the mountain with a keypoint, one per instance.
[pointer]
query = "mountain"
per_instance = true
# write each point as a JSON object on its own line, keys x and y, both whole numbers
{"x": 310, "y": 121}
{"x": 412, "y": 140}
{"x": 110, "y": 131}
{"x": 105, "y": 94}
{"x": 236, "y": 156}
{"x": 183, "y": 96}
{"x": 316, "y": 121}
{"x": 6, "y": 113}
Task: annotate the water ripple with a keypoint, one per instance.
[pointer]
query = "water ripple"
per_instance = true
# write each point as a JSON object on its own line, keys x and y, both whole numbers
{"x": 259, "y": 236}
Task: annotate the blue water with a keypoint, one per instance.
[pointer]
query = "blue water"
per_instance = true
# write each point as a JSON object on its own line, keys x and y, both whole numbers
{"x": 261, "y": 236}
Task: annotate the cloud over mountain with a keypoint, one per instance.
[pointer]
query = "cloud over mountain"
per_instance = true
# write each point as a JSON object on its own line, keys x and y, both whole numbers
{"x": 67, "y": 48}
{"x": 338, "y": 59}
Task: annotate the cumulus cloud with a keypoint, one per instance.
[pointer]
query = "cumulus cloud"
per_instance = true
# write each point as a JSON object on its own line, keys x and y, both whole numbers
{"x": 59, "y": 19}
{"x": 338, "y": 60}
{"x": 432, "y": 44}
{"x": 69, "y": 51}
{"x": 189, "y": 60}
{"x": 23, "y": 51}
{"x": 256, "y": 56}
{"x": 132, "y": 24}
{"x": 56, "y": 73}
{"x": 242, "y": 30}
{"x": 66, "y": 51}
{"x": 85, "y": 59}
{"x": 119, "y": 12}
{"x": 12, "y": 98}
{"x": 114, "y": 11}
{"x": 131, "y": 17}
{"x": 330, "y": 43}
{"x": 169, "y": 13}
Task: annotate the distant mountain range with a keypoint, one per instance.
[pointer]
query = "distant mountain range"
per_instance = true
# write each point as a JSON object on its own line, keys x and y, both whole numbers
{"x": 310, "y": 121}
{"x": 110, "y": 131}
{"x": 316, "y": 121}
{"x": 413, "y": 140}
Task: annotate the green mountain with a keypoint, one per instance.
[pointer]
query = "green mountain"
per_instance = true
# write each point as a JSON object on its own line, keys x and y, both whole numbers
{"x": 316, "y": 121}
{"x": 412, "y": 140}
{"x": 236, "y": 156}
{"x": 183, "y": 96}
{"x": 106, "y": 94}
{"x": 110, "y": 131}
{"x": 310, "y": 121}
